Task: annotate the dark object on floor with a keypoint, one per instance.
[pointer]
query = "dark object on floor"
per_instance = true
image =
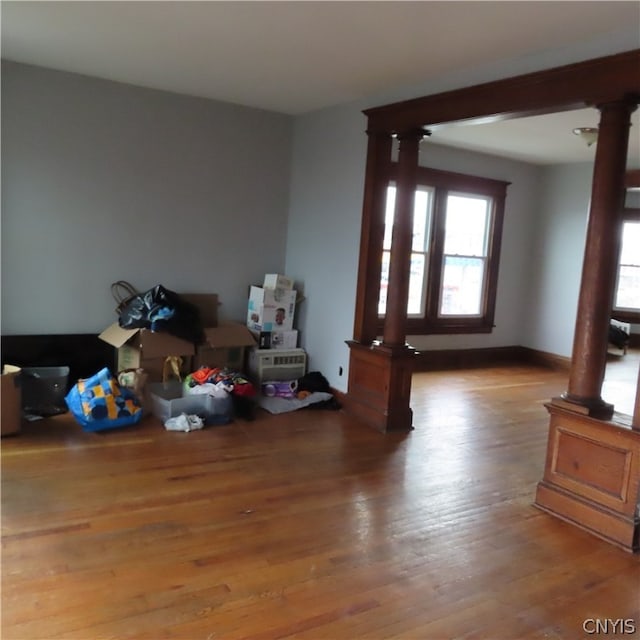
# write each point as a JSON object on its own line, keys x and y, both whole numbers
{"x": 332, "y": 404}
{"x": 244, "y": 407}
{"x": 313, "y": 381}
{"x": 618, "y": 337}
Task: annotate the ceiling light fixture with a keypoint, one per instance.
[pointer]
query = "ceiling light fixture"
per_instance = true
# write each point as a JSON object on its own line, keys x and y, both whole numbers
{"x": 588, "y": 134}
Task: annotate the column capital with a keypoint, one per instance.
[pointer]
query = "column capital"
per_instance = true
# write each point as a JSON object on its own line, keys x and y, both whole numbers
{"x": 416, "y": 133}
{"x": 626, "y": 103}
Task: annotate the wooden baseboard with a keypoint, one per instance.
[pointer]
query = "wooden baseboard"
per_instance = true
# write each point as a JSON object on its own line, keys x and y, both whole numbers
{"x": 614, "y": 528}
{"x": 447, "y": 359}
{"x": 341, "y": 397}
{"x": 465, "y": 358}
{"x": 546, "y": 359}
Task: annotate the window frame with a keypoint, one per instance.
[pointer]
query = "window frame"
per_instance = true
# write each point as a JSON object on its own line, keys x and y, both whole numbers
{"x": 443, "y": 182}
{"x": 629, "y": 214}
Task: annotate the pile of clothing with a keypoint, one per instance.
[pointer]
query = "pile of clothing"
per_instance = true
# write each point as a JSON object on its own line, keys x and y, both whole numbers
{"x": 218, "y": 383}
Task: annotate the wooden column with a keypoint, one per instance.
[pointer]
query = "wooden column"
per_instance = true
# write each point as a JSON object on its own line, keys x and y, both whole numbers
{"x": 380, "y": 374}
{"x": 395, "y": 322}
{"x": 365, "y": 328}
{"x": 635, "y": 420}
{"x": 602, "y": 248}
{"x": 592, "y": 468}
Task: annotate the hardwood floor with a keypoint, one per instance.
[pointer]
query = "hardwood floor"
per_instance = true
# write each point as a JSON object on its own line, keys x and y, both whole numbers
{"x": 307, "y": 525}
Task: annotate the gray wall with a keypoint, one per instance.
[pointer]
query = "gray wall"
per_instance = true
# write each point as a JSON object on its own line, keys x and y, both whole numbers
{"x": 104, "y": 181}
{"x": 556, "y": 264}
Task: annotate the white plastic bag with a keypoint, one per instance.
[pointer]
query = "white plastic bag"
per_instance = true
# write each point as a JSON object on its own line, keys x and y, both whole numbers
{"x": 183, "y": 422}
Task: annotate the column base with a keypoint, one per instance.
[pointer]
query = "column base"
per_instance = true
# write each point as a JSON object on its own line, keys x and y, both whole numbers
{"x": 380, "y": 386}
{"x": 592, "y": 476}
{"x": 593, "y": 407}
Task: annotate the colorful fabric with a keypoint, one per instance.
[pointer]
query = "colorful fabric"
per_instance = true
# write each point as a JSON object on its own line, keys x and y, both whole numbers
{"x": 234, "y": 381}
{"x": 99, "y": 402}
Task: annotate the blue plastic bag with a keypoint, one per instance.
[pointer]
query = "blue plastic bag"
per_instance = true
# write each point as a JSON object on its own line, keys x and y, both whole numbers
{"x": 99, "y": 403}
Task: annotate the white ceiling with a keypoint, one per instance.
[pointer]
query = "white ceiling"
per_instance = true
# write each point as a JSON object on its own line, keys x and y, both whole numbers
{"x": 295, "y": 57}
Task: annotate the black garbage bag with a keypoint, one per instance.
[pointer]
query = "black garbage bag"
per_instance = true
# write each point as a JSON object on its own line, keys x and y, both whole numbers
{"x": 160, "y": 309}
{"x": 313, "y": 381}
{"x": 618, "y": 337}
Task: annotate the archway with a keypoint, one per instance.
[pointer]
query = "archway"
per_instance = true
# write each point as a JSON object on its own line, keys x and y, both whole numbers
{"x": 380, "y": 372}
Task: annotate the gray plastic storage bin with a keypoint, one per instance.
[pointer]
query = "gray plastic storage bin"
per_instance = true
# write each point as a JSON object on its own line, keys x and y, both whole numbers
{"x": 167, "y": 402}
{"x": 43, "y": 390}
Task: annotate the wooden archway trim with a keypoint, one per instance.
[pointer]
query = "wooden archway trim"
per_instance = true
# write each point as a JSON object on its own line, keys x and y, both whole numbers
{"x": 573, "y": 86}
{"x": 576, "y": 485}
{"x": 589, "y": 83}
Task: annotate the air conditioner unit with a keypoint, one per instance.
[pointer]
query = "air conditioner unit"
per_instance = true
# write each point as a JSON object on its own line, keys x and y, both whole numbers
{"x": 277, "y": 364}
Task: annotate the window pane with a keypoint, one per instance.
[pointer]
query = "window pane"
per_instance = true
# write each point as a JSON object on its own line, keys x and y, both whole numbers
{"x": 628, "y": 293}
{"x": 462, "y": 281}
{"x": 384, "y": 283}
{"x": 422, "y": 219}
{"x": 415, "y": 305}
{"x": 630, "y": 253}
{"x": 421, "y": 233}
{"x": 388, "y": 217}
{"x": 466, "y": 225}
{"x": 416, "y": 285}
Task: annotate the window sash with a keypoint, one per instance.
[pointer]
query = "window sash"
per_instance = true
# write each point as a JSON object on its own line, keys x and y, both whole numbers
{"x": 491, "y": 194}
{"x": 627, "y": 291}
{"x": 469, "y": 302}
{"x": 422, "y": 224}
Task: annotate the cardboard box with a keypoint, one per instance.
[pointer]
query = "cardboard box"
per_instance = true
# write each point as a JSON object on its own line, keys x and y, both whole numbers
{"x": 224, "y": 346}
{"x": 276, "y": 339}
{"x": 207, "y": 304}
{"x": 271, "y": 309}
{"x": 10, "y": 400}
{"x": 277, "y": 281}
{"x": 144, "y": 349}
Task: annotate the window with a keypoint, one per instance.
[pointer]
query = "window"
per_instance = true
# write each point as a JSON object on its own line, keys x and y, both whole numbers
{"x": 626, "y": 304}
{"x": 457, "y": 227}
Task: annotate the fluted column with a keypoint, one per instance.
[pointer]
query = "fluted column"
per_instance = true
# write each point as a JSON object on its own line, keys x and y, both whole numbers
{"x": 380, "y": 374}
{"x": 395, "y": 323}
{"x": 365, "y": 328}
{"x": 602, "y": 249}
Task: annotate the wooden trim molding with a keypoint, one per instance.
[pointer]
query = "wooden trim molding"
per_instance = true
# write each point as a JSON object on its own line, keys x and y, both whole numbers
{"x": 443, "y": 359}
{"x": 546, "y": 359}
{"x": 573, "y": 86}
